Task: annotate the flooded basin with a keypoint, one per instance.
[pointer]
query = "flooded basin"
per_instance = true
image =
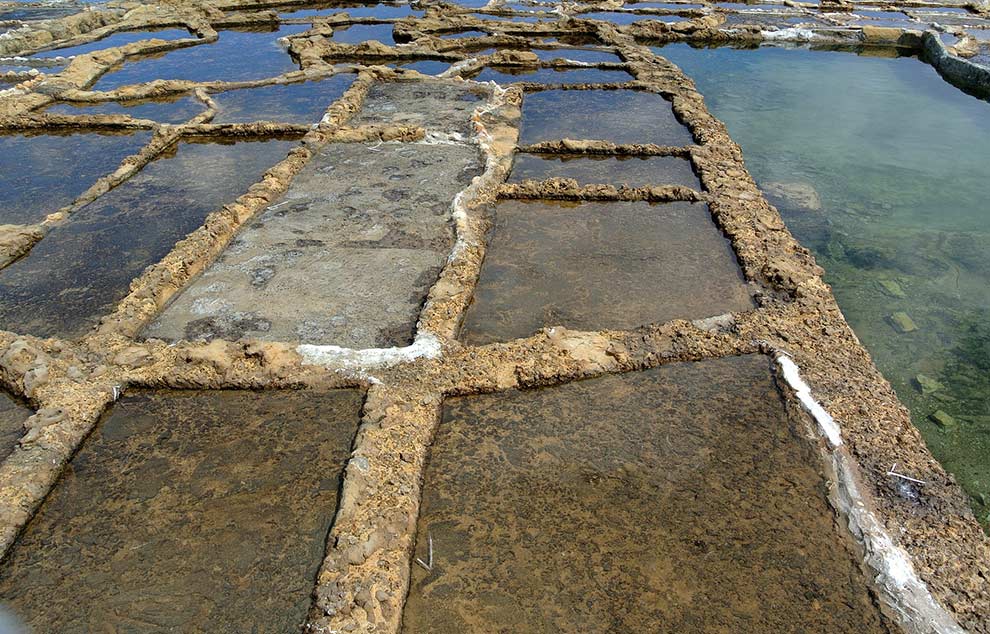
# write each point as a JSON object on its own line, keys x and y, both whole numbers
{"x": 236, "y": 56}
{"x": 892, "y": 200}
{"x": 576, "y": 54}
{"x": 117, "y": 39}
{"x": 178, "y": 110}
{"x": 681, "y": 499}
{"x": 620, "y": 116}
{"x": 84, "y": 266}
{"x": 41, "y": 173}
{"x": 304, "y": 102}
{"x": 13, "y": 413}
{"x": 633, "y": 171}
{"x": 188, "y": 511}
{"x": 594, "y": 266}
{"x": 435, "y": 106}
{"x": 509, "y": 75}
{"x": 346, "y": 257}
{"x": 357, "y": 33}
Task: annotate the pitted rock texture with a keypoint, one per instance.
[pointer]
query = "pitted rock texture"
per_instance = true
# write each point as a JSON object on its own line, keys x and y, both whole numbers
{"x": 346, "y": 257}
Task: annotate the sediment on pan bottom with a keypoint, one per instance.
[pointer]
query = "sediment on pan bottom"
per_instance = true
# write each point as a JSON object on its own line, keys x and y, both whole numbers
{"x": 682, "y": 499}
{"x": 192, "y": 511}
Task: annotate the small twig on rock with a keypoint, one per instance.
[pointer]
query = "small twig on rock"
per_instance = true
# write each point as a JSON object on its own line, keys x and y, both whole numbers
{"x": 902, "y": 476}
{"x": 427, "y": 565}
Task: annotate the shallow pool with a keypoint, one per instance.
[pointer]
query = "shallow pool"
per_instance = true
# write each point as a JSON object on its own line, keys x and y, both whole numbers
{"x": 881, "y": 168}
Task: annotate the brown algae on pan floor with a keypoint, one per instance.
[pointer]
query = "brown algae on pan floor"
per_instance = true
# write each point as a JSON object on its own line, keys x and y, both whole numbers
{"x": 199, "y": 511}
{"x": 683, "y": 499}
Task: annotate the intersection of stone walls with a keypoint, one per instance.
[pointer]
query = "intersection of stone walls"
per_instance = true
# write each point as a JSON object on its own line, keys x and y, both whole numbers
{"x": 365, "y": 575}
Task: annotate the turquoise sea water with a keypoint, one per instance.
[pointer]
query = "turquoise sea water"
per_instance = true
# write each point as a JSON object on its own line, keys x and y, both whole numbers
{"x": 881, "y": 168}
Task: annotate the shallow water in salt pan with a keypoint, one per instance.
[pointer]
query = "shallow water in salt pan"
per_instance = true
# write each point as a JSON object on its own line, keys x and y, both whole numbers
{"x": 632, "y": 171}
{"x": 188, "y": 511}
{"x": 304, "y": 102}
{"x": 41, "y": 173}
{"x": 236, "y": 56}
{"x": 84, "y": 266}
{"x": 178, "y": 110}
{"x": 683, "y": 499}
{"x": 620, "y": 116}
{"x": 594, "y": 266}
{"x": 117, "y": 39}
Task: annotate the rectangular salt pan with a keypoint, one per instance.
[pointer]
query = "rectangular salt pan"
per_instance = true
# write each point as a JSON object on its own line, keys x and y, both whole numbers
{"x": 683, "y": 499}
{"x": 632, "y": 171}
{"x": 39, "y": 174}
{"x": 188, "y": 512}
{"x": 345, "y": 258}
{"x": 595, "y": 266}
{"x": 619, "y": 116}
{"x": 84, "y": 266}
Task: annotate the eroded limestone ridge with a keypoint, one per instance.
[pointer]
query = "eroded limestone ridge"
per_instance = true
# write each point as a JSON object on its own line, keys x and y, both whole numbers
{"x": 926, "y": 557}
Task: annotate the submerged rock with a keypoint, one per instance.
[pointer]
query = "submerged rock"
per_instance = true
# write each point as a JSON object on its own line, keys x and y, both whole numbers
{"x": 902, "y": 323}
{"x": 796, "y": 195}
{"x": 943, "y": 419}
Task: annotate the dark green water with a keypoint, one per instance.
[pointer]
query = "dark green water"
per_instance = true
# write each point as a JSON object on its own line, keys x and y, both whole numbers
{"x": 881, "y": 168}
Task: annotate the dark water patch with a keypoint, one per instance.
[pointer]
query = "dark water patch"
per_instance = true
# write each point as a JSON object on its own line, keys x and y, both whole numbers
{"x": 594, "y": 266}
{"x": 624, "y": 17}
{"x": 357, "y": 33}
{"x": 188, "y": 511}
{"x": 681, "y": 499}
{"x": 512, "y": 74}
{"x": 631, "y": 171}
{"x": 117, "y": 39}
{"x": 427, "y": 66}
{"x": 13, "y": 413}
{"x": 892, "y": 201}
{"x": 82, "y": 268}
{"x": 589, "y": 56}
{"x": 39, "y": 174}
{"x": 177, "y": 110}
{"x": 674, "y": 6}
{"x": 381, "y": 11}
{"x": 463, "y": 34}
{"x": 346, "y": 257}
{"x": 304, "y": 102}
{"x": 621, "y": 116}
{"x": 236, "y": 56}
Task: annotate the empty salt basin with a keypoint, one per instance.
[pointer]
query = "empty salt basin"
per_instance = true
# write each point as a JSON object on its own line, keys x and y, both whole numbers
{"x": 83, "y": 267}
{"x": 236, "y": 56}
{"x": 512, "y": 74}
{"x": 347, "y": 257}
{"x": 680, "y": 499}
{"x": 620, "y": 116}
{"x": 41, "y": 173}
{"x": 304, "y": 102}
{"x": 175, "y": 110}
{"x": 188, "y": 511}
{"x": 632, "y": 171}
{"x": 117, "y": 39}
{"x": 13, "y": 413}
{"x": 595, "y": 266}
{"x": 434, "y": 105}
